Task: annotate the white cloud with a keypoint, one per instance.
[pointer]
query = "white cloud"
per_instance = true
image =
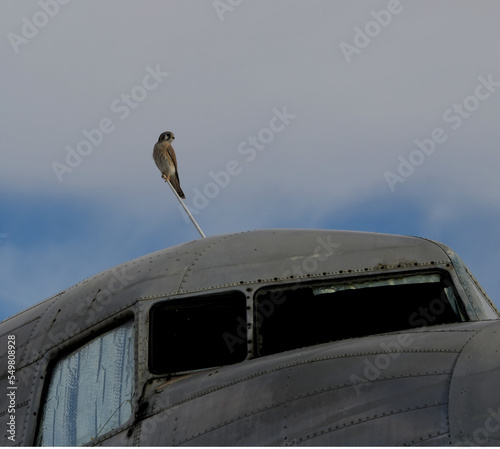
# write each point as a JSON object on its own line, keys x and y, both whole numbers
{"x": 353, "y": 119}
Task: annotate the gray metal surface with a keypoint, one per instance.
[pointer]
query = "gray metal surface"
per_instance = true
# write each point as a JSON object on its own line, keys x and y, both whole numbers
{"x": 474, "y": 392}
{"x": 353, "y": 392}
{"x": 322, "y": 395}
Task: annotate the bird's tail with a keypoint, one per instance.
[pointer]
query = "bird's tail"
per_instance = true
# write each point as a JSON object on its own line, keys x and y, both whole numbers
{"x": 177, "y": 187}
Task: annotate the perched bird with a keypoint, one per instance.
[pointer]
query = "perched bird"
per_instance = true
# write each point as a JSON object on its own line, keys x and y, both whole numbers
{"x": 164, "y": 156}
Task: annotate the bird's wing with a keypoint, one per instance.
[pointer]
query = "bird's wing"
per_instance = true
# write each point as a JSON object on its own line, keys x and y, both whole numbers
{"x": 171, "y": 154}
{"x": 158, "y": 156}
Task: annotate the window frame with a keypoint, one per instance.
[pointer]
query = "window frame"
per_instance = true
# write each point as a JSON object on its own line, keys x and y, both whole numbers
{"x": 446, "y": 277}
{"x": 76, "y": 344}
{"x": 198, "y": 301}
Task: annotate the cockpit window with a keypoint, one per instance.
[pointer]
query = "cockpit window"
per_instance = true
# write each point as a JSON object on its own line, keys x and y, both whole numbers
{"x": 90, "y": 391}
{"x": 197, "y": 333}
{"x": 304, "y": 315}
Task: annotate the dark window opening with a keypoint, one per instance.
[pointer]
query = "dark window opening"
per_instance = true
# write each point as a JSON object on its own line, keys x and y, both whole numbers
{"x": 298, "y": 316}
{"x": 197, "y": 333}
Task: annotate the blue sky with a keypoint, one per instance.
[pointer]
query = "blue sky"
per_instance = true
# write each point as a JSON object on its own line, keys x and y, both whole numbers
{"x": 376, "y": 116}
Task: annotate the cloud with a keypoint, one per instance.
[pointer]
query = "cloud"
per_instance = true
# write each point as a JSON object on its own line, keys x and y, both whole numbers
{"x": 354, "y": 121}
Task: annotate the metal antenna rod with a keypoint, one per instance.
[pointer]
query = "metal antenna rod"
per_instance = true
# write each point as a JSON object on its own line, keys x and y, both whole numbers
{"x": 187, "y": 210}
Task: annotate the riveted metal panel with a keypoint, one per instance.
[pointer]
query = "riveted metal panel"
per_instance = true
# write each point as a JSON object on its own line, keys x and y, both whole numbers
{"x": 26, "y": 374}
{"x": 392, "y": 388}
{"x": 246, "y": 260}
{"x": 279, "y": 254}
{"x": 475, "y": 392}
{"x": 214, "y": 262}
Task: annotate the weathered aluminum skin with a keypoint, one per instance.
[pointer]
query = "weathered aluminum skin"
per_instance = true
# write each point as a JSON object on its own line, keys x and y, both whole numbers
{"x": 437, "y": 389}
{"x": 383, "y": 390}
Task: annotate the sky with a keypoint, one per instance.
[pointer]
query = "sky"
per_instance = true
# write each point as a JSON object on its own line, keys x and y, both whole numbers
{"x": 377, "y": 116}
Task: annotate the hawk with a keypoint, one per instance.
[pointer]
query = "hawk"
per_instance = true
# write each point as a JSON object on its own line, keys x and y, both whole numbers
{"x": 164, "y": 156}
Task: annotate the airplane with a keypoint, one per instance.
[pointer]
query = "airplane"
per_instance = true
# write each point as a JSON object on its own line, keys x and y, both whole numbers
{"x": 277, "y": 337}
